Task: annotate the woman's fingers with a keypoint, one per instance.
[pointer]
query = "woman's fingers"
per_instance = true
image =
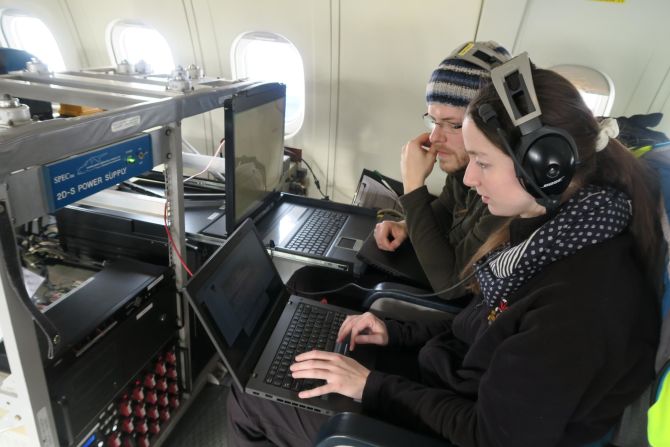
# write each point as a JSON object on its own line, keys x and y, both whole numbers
{"x": 342, "y": 374}
{"x": 318, "y": 355}
{"x": 318, "y": 391}
{"x": 373, "y": 339}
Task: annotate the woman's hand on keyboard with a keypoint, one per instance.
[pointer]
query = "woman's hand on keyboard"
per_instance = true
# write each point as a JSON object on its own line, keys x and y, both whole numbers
{"x": 363, "y": 329}
{"x": 343, "y": 375}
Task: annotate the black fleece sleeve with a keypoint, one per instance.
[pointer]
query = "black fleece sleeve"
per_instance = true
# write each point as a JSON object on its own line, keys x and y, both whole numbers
{"x": 414, "y": 334}
{"x": 429, "y": 222}
{"x": 519, "y": 402}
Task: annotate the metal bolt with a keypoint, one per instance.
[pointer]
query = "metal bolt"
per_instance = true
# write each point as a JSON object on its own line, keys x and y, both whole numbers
{"x": 168, "y": 155}
{"x": 168, "y": 132}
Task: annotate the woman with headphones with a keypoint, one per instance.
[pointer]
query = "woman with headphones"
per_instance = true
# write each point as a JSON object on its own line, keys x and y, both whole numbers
{"x": 563, "y": 334}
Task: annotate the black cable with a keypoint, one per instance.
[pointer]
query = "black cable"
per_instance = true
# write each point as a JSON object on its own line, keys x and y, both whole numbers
{"x": 316, "y": 180}
{"x": 404, "y": 292}
{"x": 366, "y": 289}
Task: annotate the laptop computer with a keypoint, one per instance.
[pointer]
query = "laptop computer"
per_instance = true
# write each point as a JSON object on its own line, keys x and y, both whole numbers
{"x": 320, "y": 232}
{"x": 258, "y": 327}
{"x": 401, "y": 263}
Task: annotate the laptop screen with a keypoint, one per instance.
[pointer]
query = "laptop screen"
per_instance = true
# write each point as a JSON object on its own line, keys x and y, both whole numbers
{"x": 255, "y": 143}
{"x": 238, "y": 295}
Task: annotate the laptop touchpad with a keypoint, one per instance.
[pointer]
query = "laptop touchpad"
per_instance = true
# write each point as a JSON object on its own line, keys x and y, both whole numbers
{"x": 350, "y": 244}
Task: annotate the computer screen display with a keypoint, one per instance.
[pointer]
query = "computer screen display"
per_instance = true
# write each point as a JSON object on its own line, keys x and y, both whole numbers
{"x": 255, "y": 145}
{"x": 238, "y": 295}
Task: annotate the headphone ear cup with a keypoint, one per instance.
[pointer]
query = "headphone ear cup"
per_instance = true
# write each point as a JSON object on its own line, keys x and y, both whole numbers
{"x": 550, "y": 161}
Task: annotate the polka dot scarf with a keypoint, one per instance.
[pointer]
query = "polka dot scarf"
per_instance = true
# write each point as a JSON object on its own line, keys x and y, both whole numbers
{"x": 591, "y": 216}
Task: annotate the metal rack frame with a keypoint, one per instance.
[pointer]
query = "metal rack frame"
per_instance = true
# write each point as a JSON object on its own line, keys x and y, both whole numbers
{"x": 134, "y": 106}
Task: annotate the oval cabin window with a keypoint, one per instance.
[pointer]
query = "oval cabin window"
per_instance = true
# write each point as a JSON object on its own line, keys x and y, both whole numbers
{"x": 596, "y": 87}
{"x": 267, "y": 56}
{"x": 136, "y": 42}
{"x": 25, "y": 32}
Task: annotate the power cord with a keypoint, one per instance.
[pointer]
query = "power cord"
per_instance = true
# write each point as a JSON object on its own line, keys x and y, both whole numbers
{"x": 414, "y": 295}
{"x": 316, "y": 180}
{"x": 366, "y": 289}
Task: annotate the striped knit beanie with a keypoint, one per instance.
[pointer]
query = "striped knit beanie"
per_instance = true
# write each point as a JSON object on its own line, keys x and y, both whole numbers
{"x": 456, "y": 82}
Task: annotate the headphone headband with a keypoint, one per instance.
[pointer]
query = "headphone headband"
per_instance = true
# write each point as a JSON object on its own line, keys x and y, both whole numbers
{"x": 514, "y": 83}
{"x": 478, "y": 54}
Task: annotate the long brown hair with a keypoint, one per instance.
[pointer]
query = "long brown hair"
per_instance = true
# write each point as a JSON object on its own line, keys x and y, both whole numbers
{"x": 563, "y": 107}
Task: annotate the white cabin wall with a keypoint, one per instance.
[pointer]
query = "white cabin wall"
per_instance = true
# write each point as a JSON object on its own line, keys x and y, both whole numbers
{"x": 57, "y": 18}
{"x": 367, "y": 63}
{"x": 627, "y": 41}
{"x": 366, "y": 67}
{"x": 307, "y": 24}
{"x": 169, "y": 17}
{"x": 387, "y": 54}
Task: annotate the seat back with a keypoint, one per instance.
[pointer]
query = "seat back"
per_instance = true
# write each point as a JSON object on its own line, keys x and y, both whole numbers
{"x": 641, "y": 424}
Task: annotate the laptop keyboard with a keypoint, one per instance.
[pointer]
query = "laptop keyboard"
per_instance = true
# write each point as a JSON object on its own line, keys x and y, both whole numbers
{"x": 311, "y": 328}
{"x": 318, "y": 232}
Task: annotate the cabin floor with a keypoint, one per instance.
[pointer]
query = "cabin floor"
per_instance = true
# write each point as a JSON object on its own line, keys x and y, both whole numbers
{"x": 204, "y": 424}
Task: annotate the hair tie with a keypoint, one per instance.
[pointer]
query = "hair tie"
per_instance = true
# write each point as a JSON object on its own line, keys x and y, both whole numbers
{"x": 609, "y": 128}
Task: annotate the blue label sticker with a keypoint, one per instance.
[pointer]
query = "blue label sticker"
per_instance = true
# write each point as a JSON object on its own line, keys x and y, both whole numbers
{"x": 80, "y": 176}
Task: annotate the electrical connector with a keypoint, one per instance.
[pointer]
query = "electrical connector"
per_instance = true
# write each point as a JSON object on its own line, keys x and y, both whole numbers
{"x": 294, "y": 154}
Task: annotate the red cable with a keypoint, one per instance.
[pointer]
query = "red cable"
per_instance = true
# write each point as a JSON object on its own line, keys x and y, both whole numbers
{"x": 176, "y": 250}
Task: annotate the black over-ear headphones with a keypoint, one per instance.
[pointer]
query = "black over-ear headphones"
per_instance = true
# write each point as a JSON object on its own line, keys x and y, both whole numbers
{"x": 545, "y": 158}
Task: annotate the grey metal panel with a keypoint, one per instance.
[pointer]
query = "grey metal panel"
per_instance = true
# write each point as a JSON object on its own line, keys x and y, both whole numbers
{"x": 69, "y": 95}
{"x": 27, "y": 195}
{"x": 125, "y": 85}
{"x": 26, "y": 188}
{"x": 47, "y": 141}
{"x": 25, "y": 146}
{"x": 204, "y": 100}
{"x": 104, "y": 74}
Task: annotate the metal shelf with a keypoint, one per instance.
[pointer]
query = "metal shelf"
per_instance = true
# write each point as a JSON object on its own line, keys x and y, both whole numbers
{"x": 134, "y": 106}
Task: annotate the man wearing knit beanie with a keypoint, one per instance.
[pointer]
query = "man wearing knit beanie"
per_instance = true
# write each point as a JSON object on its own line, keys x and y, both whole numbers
{"x": 446, "y": 230}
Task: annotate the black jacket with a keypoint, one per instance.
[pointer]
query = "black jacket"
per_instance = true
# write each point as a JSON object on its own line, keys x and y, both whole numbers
{"x": 575, "y": 346}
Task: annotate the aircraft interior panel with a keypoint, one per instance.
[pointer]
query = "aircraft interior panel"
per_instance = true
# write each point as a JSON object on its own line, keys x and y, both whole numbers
{"x": 58, "y": 20}
{"x": 366, "y": 64}
{"x": 308, "y": 26}
{"x": 606, "y": 36}
{"x": 382, "y": 90}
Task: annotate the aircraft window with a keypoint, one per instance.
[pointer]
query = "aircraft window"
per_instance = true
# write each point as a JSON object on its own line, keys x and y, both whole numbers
{"x": 135, "y": 42}
{"x": 596, "y": 87}
{"x": 267, "y": 56}
{"x": 27, "y": 33}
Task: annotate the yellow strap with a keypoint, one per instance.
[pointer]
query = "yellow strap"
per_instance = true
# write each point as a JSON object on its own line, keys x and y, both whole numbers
{"x": 640, "y": 151}
{"x": 658, "y": 424}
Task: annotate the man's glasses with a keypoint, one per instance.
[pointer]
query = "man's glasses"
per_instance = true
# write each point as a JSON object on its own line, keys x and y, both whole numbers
{"x": 445, "y": 126}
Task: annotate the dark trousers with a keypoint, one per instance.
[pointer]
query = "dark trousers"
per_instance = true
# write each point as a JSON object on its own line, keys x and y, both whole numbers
{"x": 253, "y": 421}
